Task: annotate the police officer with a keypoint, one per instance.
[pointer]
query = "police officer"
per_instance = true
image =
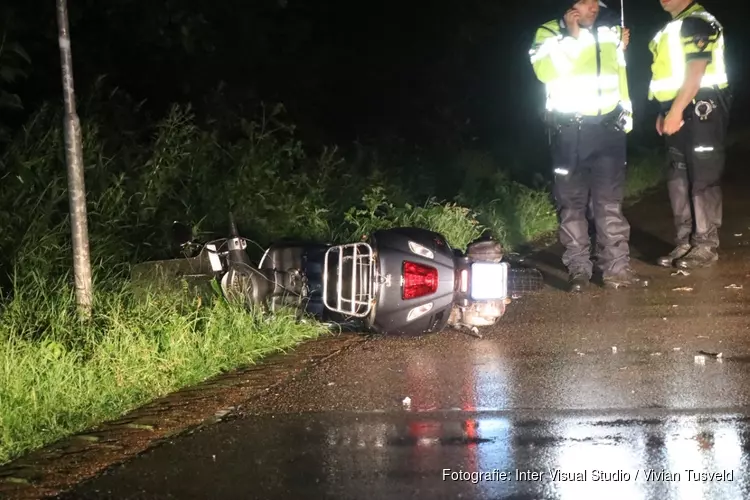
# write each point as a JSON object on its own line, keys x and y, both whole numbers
{"x": 581, "y": 61}
{"x": 690, "y": 83}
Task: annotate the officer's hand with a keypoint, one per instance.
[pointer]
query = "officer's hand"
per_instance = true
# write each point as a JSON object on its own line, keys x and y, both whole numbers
{"x": 672, "y": 123}
{"x": 571, "y": 21}
{"x": 659, "y": 124}
{"x": 625, "y": 38}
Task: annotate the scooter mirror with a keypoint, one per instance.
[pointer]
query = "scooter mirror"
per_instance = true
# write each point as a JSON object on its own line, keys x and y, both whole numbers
{"x": 181, "y": 233}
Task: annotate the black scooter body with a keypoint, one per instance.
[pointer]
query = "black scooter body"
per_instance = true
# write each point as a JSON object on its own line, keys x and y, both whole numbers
{"x": 392, "y": 250}
{"x": 390, "y": 311}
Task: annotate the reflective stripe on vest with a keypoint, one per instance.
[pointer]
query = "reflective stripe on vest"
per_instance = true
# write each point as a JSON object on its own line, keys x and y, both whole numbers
{"x": 580, "y": 93}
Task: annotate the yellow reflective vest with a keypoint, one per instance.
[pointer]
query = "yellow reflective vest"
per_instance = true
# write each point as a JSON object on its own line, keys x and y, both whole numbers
{"x": 580, "y": 79}
{"x": 693, "y": 34}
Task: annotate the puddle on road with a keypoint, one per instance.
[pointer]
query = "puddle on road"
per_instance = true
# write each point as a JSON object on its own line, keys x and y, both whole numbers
{"x": 476, "y": 455}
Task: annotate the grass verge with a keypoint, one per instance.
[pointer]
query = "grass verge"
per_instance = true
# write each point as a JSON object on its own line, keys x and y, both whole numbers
{"x": 74, "y": 376}
{"x": 58, "y": 377}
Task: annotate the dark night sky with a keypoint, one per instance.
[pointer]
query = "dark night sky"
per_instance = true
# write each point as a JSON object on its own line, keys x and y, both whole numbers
{"x": 416, "y": 70}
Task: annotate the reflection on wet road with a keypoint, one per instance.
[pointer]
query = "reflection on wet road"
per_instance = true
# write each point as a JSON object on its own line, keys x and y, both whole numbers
{"x": 447, "y": 455}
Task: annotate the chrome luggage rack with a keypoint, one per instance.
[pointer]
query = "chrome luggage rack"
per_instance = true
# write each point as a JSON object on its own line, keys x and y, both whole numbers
{"x": 355, "y": 279}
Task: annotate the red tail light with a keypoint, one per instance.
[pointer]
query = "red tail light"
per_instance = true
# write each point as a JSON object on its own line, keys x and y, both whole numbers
{"x": 419, "y": 280}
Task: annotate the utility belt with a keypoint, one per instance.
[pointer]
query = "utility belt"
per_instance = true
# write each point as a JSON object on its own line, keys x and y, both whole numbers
{"x": 615, "y": 120}
{"x": 705, "y": 104}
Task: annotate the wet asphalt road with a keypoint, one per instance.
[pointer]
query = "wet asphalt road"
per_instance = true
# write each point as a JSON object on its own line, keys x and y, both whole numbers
{"x": 610, "y": 383}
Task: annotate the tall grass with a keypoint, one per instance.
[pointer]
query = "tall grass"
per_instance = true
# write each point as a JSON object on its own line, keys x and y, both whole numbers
{"x": 58, "y": 376}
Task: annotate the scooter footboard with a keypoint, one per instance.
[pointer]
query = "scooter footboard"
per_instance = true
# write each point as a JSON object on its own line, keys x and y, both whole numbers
{"x": 349, "y": 279}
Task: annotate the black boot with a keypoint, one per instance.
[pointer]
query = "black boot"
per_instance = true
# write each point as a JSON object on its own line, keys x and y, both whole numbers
{"x": 578, "y": 281}
{"x": 624, "y": 279}
{"x": 679, "y": 252}
{"x": 700, "y": 256}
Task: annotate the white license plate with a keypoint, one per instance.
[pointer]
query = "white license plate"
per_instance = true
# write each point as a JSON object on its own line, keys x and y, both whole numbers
{"x": 489, "y": 280}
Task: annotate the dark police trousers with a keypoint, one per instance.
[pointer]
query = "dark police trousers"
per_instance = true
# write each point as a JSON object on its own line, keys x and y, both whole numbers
{"x": 589, "y": 159}
{"x": 696, "y": 157}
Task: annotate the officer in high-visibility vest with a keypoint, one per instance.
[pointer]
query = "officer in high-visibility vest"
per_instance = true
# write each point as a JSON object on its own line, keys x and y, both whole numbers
{"x": 581, "y": 61}
{"x": 689, "y": 80}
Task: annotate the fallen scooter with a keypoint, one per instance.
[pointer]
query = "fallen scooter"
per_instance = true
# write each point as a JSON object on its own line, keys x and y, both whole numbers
{"x": 403, "y": 280}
